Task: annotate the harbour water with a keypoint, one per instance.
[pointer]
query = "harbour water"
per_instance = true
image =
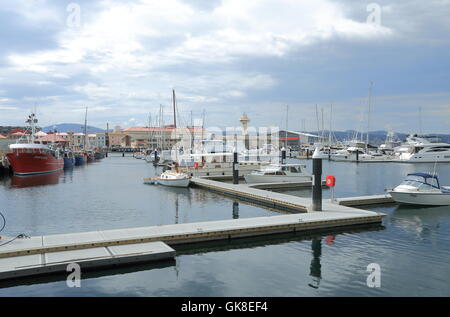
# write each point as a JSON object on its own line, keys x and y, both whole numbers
{"x": 412, "y": 250}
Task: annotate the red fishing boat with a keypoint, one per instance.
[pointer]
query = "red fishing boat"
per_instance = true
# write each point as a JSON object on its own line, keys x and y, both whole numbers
{"x": 30, "y": 158}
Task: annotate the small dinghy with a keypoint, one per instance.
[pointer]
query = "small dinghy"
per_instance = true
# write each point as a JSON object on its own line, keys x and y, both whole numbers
{"x": 421, "y": 189}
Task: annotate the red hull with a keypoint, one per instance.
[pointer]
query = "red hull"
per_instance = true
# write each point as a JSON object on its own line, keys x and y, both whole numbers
{"x": 34, "y": 163}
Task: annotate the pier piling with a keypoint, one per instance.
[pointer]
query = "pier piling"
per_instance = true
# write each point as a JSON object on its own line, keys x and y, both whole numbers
{"x": 317, "y": 184}
{"x": 235, "y": 168}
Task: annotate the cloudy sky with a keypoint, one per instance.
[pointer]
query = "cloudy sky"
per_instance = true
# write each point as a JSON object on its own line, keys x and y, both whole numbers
{"x": 122, "y": 58}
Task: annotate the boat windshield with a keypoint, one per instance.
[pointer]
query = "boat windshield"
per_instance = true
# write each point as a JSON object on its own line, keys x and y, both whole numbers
{"x": 418, "y": 181}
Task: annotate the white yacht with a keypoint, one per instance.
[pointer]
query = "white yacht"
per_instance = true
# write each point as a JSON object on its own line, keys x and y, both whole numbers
{"x": 390, "y": 144}
{"x": 423, "y": 149}
{"x": 173, "y": 178}
{"x": 421, "y": 189}
{"x": 279, "y": 173}
{"x": 353, "y": 154}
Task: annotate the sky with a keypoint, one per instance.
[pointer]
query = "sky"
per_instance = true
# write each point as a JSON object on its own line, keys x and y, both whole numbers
{"x": 273, "y": 59}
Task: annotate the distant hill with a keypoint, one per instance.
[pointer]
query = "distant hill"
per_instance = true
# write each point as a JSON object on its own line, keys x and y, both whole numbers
{"x": 75, "y": 127}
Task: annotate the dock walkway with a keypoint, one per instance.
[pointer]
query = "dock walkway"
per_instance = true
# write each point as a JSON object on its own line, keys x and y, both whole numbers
{"x": 267, "y": 198}
{"x": 52, "y": 253}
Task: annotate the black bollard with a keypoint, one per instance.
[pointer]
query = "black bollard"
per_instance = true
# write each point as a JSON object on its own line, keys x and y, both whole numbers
{"x": 317, "y": 184}
{"x": 156, "y": 156}
{"x": 307, "y": 154}
{"x": 283, "y": 156}
{"x": 357, "y": 156}
{"x": 235, "y": 168}
{"x": 123, "y": 154}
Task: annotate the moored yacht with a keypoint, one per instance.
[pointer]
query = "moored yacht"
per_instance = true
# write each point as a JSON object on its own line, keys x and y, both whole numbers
{"x": 174, "y": 178}
{"x": 423, "y": 149}
{"x": 279, "y": 173}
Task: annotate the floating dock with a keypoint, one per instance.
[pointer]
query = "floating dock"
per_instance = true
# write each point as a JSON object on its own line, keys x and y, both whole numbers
{"x": 52, "y": 253}
{"x": 364, "y": 200}
{"x": 30, "y": 257}
{"x": 29, "y": 260}
{"x": 283, "y": 186}
{"x": 262, "y": 197}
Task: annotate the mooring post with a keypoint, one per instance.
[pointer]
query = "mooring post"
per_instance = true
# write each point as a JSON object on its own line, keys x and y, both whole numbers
{"x": 123, "y": 154}
{"x": 317, "y": 183}
{"x": 357, "y": 155}
{"x": 235, "y": 168}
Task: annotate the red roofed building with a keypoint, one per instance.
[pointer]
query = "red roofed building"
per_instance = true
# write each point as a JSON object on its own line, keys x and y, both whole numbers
{"x": 52, "y": 138}
{"x": 152, "y": 137}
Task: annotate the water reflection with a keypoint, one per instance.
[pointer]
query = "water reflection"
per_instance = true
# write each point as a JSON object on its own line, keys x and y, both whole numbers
{"x": 315, "y": 267}
{"x": 35, "y": 180}
{"x": 423, "y": 221}
{"x": 235, "y": 210}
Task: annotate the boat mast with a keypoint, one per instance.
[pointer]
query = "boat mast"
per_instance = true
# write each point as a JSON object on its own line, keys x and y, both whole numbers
{"x": 329, "y": 132}
{"x": 192, "y": 133}
{"x": 32, "y": 122}
{"x": 420, "y": 120}
{"x": 85, "y": 129}
{"x": 174, "y": 110}
{"x": 317, "y": 118}
{"x": 285, "y": 135}
{"x": 149, "y": 130}
{"x": 368, "y": 117}
{"x": 175, "y": 123}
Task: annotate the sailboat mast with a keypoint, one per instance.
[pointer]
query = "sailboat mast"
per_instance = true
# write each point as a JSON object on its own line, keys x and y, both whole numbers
{"x": 329, "y": 132}
{"x": 420, "y": 120}
{"x": 368, "y": 116}
{"x": 285, "y": 135}
{"x": 85, "y": 129}
{"x": 174, "y": 109}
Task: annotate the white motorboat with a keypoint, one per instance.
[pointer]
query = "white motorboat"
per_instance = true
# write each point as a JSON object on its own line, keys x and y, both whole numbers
{"x": 173, "y": 178}
{"x": 279, "y": 173}
{"x": 421, "y": 189}
{"x": 423, "y": 149}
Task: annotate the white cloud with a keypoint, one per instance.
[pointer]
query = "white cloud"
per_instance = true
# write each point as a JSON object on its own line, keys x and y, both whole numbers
{"x": 123, "y": 35}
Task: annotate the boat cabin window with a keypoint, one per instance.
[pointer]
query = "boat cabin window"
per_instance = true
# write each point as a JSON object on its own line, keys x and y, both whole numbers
{"x": 294, "y": 169}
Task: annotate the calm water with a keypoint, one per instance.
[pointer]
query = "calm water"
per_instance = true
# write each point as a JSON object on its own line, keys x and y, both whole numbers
{"x": 413, "y": 249}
